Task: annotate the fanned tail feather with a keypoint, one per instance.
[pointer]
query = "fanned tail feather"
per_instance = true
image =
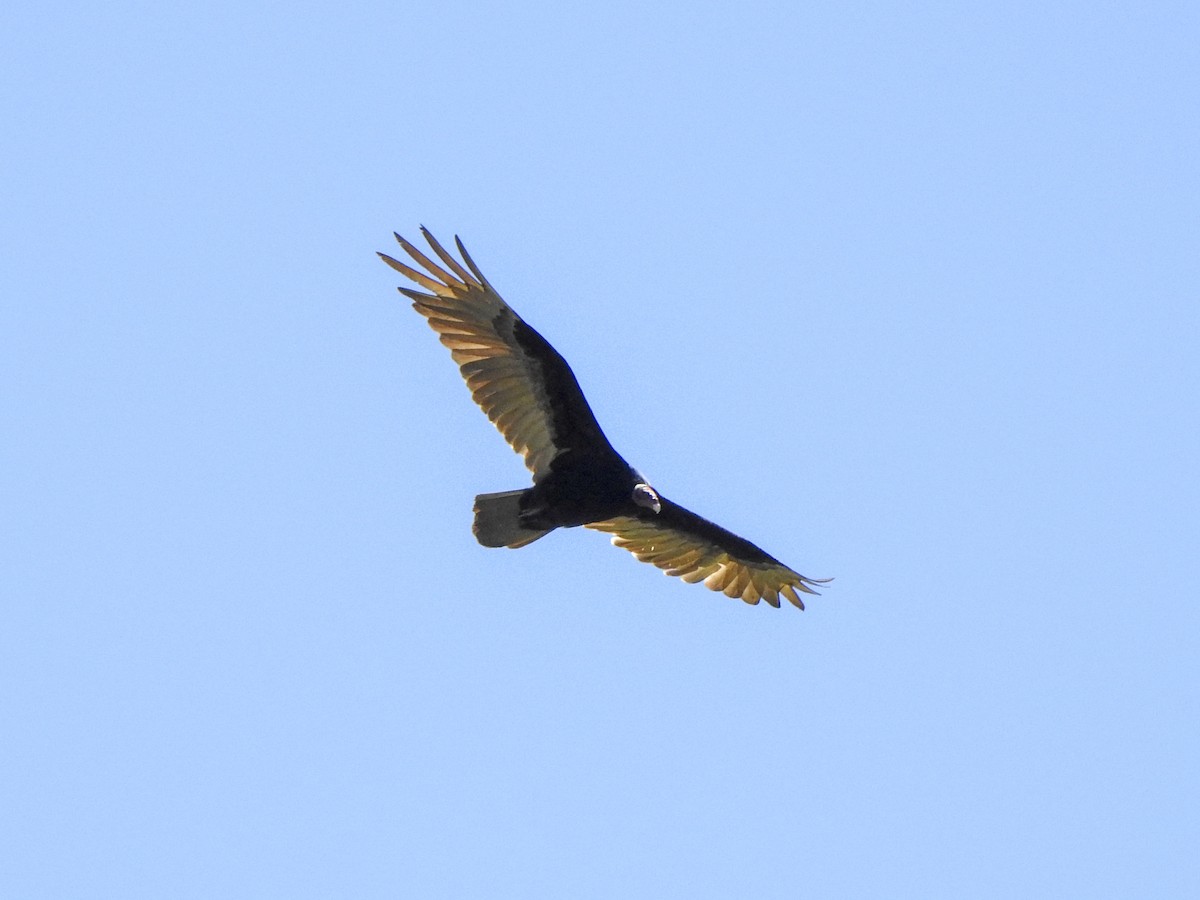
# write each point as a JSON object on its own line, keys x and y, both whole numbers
{"x": 498, "y": 521}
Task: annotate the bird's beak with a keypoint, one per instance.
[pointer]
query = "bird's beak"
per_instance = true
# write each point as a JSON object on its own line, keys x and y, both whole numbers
{"x": 644, "y": 495}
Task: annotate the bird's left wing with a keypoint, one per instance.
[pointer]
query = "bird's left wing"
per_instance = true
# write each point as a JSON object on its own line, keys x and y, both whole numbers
{"x": 684, "y": 544}
{"x": 523, "y": 385}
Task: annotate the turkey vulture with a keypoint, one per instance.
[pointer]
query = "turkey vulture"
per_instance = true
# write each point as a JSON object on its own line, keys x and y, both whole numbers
{"x": 531, "y": 395}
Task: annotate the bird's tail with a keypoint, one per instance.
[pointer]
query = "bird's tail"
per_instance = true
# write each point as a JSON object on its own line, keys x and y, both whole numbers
{"x": 498, "y": 521}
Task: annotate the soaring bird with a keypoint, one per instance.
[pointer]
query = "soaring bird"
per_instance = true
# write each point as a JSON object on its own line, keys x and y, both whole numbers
{"x": 531, "y": 395}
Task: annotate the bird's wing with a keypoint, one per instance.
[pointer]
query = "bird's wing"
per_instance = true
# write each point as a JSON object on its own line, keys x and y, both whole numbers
{"x": 682, "y": 543}
{"x": 520, "y": 381}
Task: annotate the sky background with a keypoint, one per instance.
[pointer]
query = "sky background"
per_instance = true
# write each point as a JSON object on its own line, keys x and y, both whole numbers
{"x": 905, "y": 293}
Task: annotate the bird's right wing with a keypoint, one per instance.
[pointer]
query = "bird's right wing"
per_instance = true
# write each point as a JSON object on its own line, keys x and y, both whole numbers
{"x": 523, "y": 385}
{"x": 684, "y": 544}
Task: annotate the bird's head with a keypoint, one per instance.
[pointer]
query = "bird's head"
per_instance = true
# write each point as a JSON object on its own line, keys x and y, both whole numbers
{"x": 644, "y": 495}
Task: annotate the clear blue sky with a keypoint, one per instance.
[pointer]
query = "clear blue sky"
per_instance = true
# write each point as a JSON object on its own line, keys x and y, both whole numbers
{"x": 908, "y": 294}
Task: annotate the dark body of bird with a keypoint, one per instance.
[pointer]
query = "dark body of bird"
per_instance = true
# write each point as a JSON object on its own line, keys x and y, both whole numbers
{"x": 587, "y": 478}
{"x": 530, "y": 393}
